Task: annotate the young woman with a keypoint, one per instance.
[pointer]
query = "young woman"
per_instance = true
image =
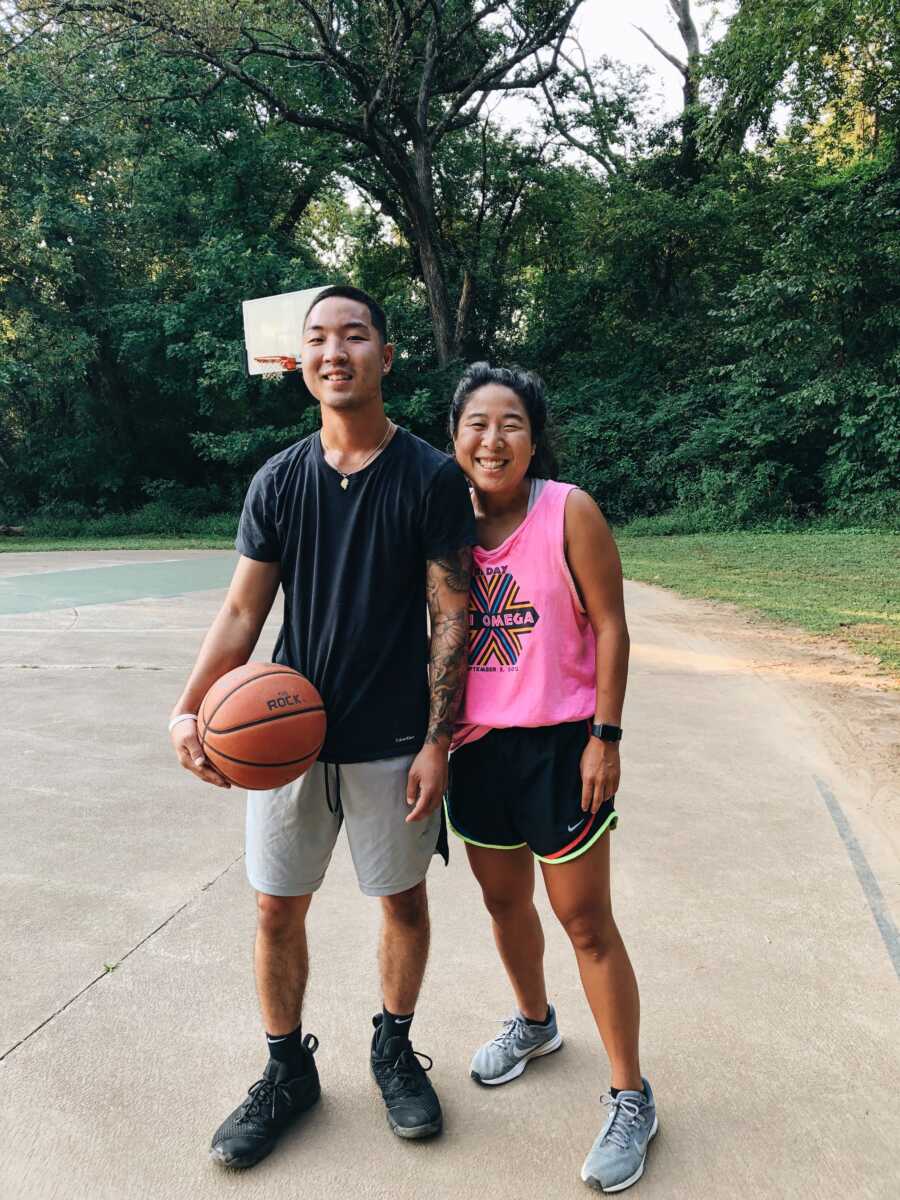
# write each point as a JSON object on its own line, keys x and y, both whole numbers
{"x": 535, "y": 767}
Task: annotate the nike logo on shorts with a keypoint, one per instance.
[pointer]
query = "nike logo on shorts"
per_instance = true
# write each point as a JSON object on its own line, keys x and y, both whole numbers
{"x": 572, "y": 828}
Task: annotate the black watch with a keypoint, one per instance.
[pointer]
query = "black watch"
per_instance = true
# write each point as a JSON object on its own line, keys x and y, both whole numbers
{"x": 607, "y": 733}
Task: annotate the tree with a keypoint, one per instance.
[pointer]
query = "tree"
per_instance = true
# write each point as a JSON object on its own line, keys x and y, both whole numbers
{"x": 126, "y": 244}
{"x": 722, "y": 339}
{"x": 812, "y": 56}
{"x": 389, "y": 81}
{"x": 689, "y": 69}
{"x": 596, "y": 108}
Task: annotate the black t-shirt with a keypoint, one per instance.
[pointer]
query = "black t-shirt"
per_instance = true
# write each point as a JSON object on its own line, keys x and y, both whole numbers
{"x": 353, "y": 574}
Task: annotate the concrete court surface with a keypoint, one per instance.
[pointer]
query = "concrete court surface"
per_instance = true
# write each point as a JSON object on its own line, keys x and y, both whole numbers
{"x": 770, "y": 981}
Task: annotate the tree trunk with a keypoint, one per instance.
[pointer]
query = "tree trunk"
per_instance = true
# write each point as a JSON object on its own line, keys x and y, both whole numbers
{"x": 427, "y": 247}
{"x": 419, "y": 203}
{"x": 410, "y": 210}
{"x": 301, "y": 202}
{"x": 690, "y": 154}
{"x": 464, "y": 308}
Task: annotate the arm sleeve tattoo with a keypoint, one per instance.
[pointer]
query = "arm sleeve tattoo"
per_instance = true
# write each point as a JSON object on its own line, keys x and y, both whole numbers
{"x": 447, "y": 588}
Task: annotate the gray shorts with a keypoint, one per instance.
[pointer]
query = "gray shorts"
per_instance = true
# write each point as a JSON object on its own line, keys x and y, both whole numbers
{"x": 291, "y": 830}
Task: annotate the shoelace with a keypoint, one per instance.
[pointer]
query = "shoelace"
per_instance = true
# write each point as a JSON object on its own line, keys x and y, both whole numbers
{"x": 626, "y": 1114}
{"x": 406, "y": 1068}
{"x": 511, "y": 1029}
{"x": 265, "y": 1092}
{"x": 262, "y": 1095}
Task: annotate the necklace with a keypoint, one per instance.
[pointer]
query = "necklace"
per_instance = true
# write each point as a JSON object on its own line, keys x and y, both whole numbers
{"x": 345, "y": 479}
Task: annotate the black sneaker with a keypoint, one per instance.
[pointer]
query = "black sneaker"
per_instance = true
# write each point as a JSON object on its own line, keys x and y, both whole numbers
{"x": 273, "y": 1103}
{"x": 413, "y": 1109}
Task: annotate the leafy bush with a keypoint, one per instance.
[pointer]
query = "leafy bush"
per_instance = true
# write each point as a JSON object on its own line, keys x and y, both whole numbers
{"x": 157, "y": 517}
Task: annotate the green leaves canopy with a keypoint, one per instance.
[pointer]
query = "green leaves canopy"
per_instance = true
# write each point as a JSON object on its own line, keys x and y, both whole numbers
{"x": 724, "y": 340}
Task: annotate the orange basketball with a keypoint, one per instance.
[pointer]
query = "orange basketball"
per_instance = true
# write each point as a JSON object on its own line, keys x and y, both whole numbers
{"x": 262, "y": 725}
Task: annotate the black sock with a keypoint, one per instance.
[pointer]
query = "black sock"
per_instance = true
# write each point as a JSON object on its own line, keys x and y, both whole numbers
{"x": 546, "y": 1020}
{"x": 394, "y": 1025}
{"x": 287, "y": 1048}
{"x": 615, "y": 1091}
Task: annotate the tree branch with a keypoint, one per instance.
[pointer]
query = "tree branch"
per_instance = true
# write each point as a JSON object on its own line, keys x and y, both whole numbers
{"x": 583, "y": 72}
{"x": 402, "y": 32}
{"x": 301, "y": 202}
{"x": 686, "y": 27}
{"x": 385, "y": 199}
{"x": 234, "y": 70}
{"x": 424, "y": 97}
{"x": 476, "y": 19}
{"x": 465, "y": 120}
{"x": 491, "y": 79}
{"x": 606, "y": 157}
{"x": 348, "y": 69}
{"x": 11, "y": 49}
{"x": 676, "y": 62}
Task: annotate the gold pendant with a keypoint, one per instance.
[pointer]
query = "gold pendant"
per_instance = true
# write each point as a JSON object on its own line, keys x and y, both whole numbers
{"x": 345, "y": 483}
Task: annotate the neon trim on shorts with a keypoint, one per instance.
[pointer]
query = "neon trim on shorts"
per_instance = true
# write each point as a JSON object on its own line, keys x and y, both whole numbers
{"x": 472, "y": 842}
{"x": 587, "y": 832}
{"x": 610, "y": 823}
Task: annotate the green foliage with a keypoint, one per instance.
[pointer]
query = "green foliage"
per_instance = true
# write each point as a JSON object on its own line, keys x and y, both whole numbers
{"x": 731, "y": 349}
{"x": 835, "y": 63}
{"x": 157, "y": 517}
{"x": 126, "y": 245}
{"x": 720, "y": 345}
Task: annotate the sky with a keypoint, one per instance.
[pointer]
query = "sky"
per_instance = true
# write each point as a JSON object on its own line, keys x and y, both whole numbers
{"x": 608, "y": 28}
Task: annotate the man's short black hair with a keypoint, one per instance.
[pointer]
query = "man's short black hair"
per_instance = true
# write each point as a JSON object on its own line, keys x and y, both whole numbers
{"x": 379, "y": 320}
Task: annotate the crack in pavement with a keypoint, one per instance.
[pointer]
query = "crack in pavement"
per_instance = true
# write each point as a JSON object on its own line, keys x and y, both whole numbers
{"x": 108, "y": 969}
{"x": 864, "y": 873}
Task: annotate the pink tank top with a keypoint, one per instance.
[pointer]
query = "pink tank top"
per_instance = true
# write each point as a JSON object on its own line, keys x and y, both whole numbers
{"x": 532, "y": 651}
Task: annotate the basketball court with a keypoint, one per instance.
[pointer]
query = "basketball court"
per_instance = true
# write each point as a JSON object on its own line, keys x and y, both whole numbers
{"x": 757, "y": 876}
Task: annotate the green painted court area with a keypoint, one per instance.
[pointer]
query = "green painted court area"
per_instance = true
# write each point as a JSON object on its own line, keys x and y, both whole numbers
{"x": 44, "y": 591}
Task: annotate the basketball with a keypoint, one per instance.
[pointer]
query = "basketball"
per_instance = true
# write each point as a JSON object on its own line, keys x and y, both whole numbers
{"x": 262, "y": 725}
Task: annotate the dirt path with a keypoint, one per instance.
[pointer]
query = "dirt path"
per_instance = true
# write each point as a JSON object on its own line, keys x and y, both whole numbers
{"x": 853, "y": 707}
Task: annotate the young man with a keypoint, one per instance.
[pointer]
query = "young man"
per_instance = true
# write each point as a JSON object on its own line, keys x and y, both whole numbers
{"x": 362, "y": 524}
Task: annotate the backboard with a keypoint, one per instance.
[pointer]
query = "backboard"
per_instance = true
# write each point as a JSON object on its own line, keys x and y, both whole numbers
{"x": 273, "y": 331}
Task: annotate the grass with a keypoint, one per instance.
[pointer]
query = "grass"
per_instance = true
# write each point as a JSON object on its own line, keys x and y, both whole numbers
{"x": 838, "y": 583}
{"x": 842, "y": 583}
{"x": 136, "y": 541}
{"x": 155, "y": 526}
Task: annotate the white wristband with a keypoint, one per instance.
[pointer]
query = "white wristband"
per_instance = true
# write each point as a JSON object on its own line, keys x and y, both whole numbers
{"x": 182, "y": 717}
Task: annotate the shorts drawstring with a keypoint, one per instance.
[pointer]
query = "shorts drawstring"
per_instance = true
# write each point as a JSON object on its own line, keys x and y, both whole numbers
{"x": 335, "y": 808}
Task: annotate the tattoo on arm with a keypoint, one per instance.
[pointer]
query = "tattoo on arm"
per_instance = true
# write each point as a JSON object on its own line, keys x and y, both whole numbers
{"x": 447, "y": 589}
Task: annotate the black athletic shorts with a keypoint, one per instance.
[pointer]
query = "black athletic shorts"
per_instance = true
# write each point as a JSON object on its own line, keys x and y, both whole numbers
{"x": 522, "y": 787}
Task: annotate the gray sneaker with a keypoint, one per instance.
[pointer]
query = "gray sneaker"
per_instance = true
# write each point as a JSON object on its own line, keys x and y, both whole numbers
{"x": 508, "y": 1054}
{"x": 617, "y": 1158}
